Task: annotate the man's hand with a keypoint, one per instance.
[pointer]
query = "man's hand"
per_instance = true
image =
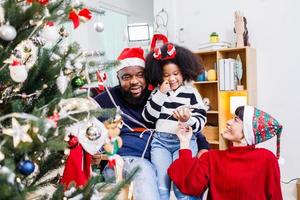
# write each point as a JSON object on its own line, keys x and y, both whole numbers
{"x": 184, "y": 134}
{"x": 182, "y": 114}
{"x": 96, "y": 159}
{"x": 165, "y": 87}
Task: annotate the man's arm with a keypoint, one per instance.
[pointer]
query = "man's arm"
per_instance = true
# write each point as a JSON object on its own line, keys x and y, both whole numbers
{"x": 203, "y": 145}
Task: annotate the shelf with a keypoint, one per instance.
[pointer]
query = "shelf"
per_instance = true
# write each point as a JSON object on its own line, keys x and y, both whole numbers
{"x": 212, "y": 112}
{"x": 205, "y": 82}
{"x": 213, "y": 141}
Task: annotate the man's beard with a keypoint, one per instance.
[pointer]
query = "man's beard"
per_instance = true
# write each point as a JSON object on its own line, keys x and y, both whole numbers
{"x": 135, "y": 101}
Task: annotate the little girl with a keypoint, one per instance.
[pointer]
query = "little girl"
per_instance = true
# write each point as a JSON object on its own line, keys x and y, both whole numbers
{"x": 171, "y": 69}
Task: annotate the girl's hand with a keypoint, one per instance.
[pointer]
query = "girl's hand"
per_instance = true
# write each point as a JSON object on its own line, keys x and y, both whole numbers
{"x": 184, "y": 135}
{"x": 165, "y": 87}
{"x": 182, "y": 114}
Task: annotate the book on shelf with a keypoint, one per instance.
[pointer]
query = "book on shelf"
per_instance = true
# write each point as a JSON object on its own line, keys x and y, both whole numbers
{"x": 226, "y": 74}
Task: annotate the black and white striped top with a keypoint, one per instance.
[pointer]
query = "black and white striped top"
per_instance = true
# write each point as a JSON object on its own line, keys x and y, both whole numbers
{"x": 160, "y": 107}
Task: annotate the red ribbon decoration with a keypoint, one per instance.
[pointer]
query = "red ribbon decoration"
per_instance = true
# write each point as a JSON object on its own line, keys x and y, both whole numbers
{"x": 83, "y": 14}
{"x": 43, "y": 2}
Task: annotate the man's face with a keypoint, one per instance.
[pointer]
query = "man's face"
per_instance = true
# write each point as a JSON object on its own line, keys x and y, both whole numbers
{"x": 132, "y": 80}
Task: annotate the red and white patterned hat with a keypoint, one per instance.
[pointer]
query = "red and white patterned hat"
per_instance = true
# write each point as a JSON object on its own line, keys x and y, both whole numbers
{"x": 260, "y": 126}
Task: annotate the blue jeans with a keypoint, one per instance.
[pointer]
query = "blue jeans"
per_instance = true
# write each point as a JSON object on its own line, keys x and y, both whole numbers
{"x": 164, "y": 150}
{"x": 144, "y": 182}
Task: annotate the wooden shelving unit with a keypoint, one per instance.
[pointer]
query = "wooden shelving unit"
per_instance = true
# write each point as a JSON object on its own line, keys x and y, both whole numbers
{"x": 219, "y": 113}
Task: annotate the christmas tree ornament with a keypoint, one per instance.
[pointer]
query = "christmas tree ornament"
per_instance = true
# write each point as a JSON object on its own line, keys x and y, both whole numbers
{"x": 28, "y": 53}
{"x": 76, "y": 3}
{"x": 99, "y": 27}
{"x": 68, "y": 65}
{"x": 92, "y": 133}
{"x": 78, "y": 65}
{"x": 75, "y": 16}
{"x": 9, "y": 174}
{"x": 101, "y": 77}
{"x": 54, "y": 118}
{"x": 62, "y": 82}
{"x": 50, "y": 32}
{"x": 63, "y": 32}
{"x": 38, "y": 41}
{"x": 78, "y": 81}
{"x": 18, "y": 72}
{"x": 55, "y": 57}
{"x": 18, "y": 132}
{"x": 2, "y": 14}
{"x": 2, "y": 156}
{"x": 91, "y": 140}
{"x": 73, "y": 141}
{"x": 76, "y": 105}
{"x": 46, "y": 12}
{"x": 113, "y": 144}
{"x": 26, "y": 167}
{"x": 7, "y": 32}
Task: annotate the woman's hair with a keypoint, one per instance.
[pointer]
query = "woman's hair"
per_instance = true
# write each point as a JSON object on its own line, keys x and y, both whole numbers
{"x": 189, "y": 65}
{"x": 239, "y": 111}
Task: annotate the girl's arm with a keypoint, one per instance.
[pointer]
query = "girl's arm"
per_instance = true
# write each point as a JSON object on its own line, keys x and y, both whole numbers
{"x": 153, "y": 106}
{"x": 198, "y": 118}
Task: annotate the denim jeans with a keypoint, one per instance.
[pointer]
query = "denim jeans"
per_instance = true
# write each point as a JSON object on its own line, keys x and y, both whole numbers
{"x": 144, "y": 182}
{"x": 164, "y": 150}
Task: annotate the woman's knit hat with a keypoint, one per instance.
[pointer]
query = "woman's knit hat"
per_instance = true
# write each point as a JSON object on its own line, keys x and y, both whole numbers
{"x": 259, "y": 126}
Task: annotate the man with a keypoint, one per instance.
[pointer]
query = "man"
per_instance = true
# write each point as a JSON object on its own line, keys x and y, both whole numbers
{"x": 131, "y": 96}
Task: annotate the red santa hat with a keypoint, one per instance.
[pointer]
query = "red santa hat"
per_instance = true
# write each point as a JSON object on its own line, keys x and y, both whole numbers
{"x": 131, "y": 57}
{"x": 259, "y": 126}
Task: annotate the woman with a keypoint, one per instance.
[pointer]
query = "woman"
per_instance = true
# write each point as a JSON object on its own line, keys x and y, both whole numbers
{"x": 240, "y": 172}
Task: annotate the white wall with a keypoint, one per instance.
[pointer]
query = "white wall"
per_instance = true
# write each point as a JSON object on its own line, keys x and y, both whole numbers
{"x": 274, "y": 31}
{"x": 138, "y": 11}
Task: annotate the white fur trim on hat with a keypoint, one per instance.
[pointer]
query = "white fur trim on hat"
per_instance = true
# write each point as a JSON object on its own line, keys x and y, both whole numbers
{"x": 248, "y": 124}
{"x": 131, "y": 62}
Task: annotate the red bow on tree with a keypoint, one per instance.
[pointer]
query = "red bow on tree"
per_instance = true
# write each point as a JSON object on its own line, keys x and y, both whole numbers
{"x": 43, "y": 2}
{"x": 83, "y": 14}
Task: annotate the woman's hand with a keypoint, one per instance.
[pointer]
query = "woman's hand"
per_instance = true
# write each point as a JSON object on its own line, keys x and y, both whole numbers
{"x": 182, "y": 114}
{"x": 184, "y": 134}
{"x": 164, "y": 87}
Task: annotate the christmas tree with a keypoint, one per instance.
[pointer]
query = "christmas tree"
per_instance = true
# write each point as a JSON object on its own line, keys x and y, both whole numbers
{"x": 41, "y": 81}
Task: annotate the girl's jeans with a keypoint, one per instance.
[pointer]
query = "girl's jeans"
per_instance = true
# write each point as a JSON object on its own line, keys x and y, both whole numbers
{"x": 164, "y": 150}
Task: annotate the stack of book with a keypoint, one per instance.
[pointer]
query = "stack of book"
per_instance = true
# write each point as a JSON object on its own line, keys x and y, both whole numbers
{"x": 227, "y": 77}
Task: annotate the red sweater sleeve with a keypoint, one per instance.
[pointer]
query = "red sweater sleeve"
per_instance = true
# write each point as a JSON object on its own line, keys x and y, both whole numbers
{"x": 190, "y": 174}
{"x": 274, "y": 187}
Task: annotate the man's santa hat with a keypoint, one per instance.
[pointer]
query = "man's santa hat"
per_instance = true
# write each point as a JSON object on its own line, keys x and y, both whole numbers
{"x": 259, "y": 126}
{"x": 131, "y": 57}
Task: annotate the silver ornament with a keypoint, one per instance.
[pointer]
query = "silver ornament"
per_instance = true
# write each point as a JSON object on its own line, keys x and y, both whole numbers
{"x": 99, "y": 27}
{"x": 62, "y": 82}
{"x": 92, "y": 133}
{"x": 7, "y": 32}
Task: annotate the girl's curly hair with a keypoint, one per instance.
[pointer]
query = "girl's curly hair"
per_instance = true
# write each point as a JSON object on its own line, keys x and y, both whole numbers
{"x": 189, "y": 65}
